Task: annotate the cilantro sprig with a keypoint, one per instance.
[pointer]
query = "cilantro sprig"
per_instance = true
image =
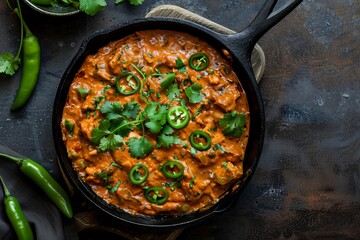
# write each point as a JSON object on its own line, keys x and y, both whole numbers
{"x": 233, "y": 124}
{"x": 193, "y": 93}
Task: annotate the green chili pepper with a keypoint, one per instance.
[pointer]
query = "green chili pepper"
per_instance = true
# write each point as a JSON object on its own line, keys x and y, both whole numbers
{"x": 31, "y": 66}
{"x": 123, "y": 89}
{"x": 42, "y": 178}
{"x": 199, "y": 61}
{"x": 172, "y": 169}
{"x": 197, "y": 140}
{"x": 178, "y": 117}
{"x": 156, "y": 195}
{"x": 135, "y": 175}
{"x": 16, "y": 216}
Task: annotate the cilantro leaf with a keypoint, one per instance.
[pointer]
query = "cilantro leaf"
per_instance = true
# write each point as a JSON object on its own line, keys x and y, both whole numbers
{"x": 123, "y": 131}
{"x": 100, "y": 132}
{"x": 233, "y": 124}
{"x": 156, "y": 114}
{"x": 111, "y": 142}
{"x": 136, "y": 2}
{"x": 168, "y": 79}
{"x": 172, "y": 92}
{"x": 165, "y": 139}
{"x": 139, "y": 147}
{"x": 131, "y": 109}
{"x": 91, "y": 7}
{"x": 133, "y": 2}
{"x": 111, "y": 110}
{"x": 8, "y": 63}
{"x": 180, "y": 65}
{"x": 193, "y": 93}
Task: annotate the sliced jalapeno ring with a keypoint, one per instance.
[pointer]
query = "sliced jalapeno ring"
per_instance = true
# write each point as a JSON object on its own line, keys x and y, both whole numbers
{"x": 178, "y": 117}
{"x": 199, "y": 61}
{"x": 135, "y": 175}
{"x": 172, "y": 169}
{"x": 156, "y": 195}
{"x": 200, "y": 140}
{"x": 123, "y": 89}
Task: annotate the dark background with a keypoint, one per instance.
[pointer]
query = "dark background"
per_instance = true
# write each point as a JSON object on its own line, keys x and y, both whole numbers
{"x": 307, "y": 184}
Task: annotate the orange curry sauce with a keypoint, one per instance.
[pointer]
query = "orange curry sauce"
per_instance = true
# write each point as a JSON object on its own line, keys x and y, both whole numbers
{"x": 150, "y": 55}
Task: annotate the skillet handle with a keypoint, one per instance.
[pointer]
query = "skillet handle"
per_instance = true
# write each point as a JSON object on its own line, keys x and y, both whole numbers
{"x": 262, "y": 23}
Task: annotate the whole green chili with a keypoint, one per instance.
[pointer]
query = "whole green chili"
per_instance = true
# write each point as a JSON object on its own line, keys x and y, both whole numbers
{"x": 16, "y": 215}
{"x": 42, "y": 178}
{"x": 31, "y": 65}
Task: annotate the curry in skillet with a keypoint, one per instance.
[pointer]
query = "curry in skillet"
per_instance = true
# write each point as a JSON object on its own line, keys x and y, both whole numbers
{"x": 157, "y": 122}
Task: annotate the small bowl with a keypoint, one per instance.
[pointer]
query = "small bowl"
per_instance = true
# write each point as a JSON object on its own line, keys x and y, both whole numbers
{"x": 58, "y": 10}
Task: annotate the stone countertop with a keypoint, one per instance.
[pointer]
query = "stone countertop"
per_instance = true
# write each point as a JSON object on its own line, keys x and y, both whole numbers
{"x": 307, "y": 182}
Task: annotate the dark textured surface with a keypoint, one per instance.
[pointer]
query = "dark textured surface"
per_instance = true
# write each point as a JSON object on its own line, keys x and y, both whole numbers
{"x": 307, "y": 183}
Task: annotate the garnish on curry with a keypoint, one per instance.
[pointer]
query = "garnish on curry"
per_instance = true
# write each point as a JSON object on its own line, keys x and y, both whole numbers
{"x": 157, "y": 122}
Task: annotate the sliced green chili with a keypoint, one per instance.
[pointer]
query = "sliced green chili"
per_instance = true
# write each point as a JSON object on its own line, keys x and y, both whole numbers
{"x": 134, "y": 87}
{"x": 16, "y": 215}
{"x": 135, "y": 175}
{"x": 156, "y": 195}
{"x": 199, "y": 61}
{"x": 178, "y": 117}
{"x": 42, "y": 178}
{"x": 172, "y": 169}
{"x": 200, "y": 140}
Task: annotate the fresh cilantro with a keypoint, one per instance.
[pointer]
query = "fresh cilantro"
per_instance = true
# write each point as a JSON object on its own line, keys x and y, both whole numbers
{"x": 132, "y": 2}
{"x": 115, "y": 188}
{"x": 193, "y": 93}
{"x": 136, "y": 2}
{"x": 165, "y": 138}
{"x": 115, "y": 164}
{"x": 139, "y": 147}
{"x": 131, "y": 109}
{"x": 91, "y": 7}
{"x": 217, "y": 146}
{"x": 9, "y": 64}
{"x": 191, "y": 184}
{"x": 156, "y": 114}
{"x": 172, "y": 92}
{"x": 111, "y": 110}
{"x": 167, "y": 80}
{"x": 197, "y": 112}
{"x": 193, "y": 151}
{"x": 110, "y": 142}
{"x": 180, "y": 65}
{"x": 102, "y": 176}
{"x": 233, "y": 124}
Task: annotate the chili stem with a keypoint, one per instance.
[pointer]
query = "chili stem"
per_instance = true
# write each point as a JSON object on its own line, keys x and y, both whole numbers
{"x": 6, "y": 190}
{"x": 15, "y": 159}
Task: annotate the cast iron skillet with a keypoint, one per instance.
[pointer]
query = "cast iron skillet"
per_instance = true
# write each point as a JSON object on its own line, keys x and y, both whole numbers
{"x": 239, "y": 45}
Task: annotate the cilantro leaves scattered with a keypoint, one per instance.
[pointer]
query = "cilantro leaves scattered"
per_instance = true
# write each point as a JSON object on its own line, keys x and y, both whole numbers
{"x": 173, "y": 92}
{"x": 132, "y": 2}
{"x": 180, "y": 65}
{"x": 156, "y": 114}
{"x": 139, "y": 147}
{"x": 233, "y": 124}
{"x": 9, "y": 63}
{"x": 91, "y": 7}
{"x": 165, "y": 138}
{"x": 193, "y": 93}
